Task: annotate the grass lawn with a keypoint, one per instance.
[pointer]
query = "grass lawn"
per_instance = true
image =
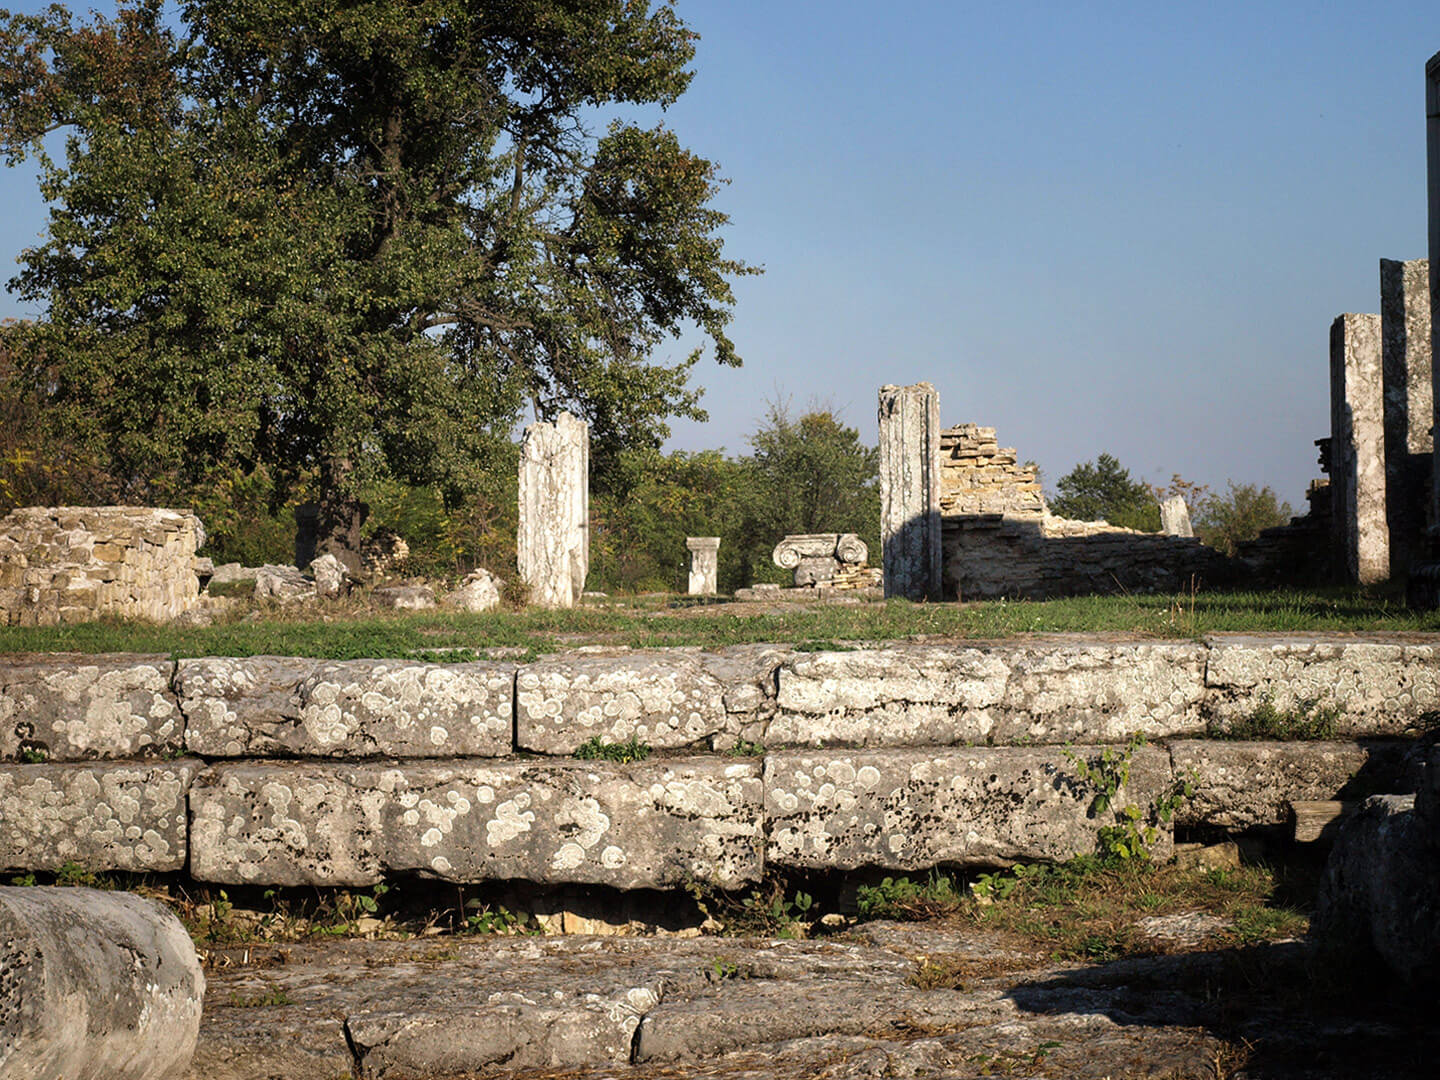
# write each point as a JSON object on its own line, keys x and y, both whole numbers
{"x": 347, "y": 630}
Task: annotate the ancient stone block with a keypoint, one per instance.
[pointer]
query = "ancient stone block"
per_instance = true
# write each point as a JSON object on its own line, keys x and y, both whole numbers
{"x": 269, "y": 706}
{"x": 553, "y": 541}
{"x": 479, "y": 592}
{"x": 1409, "y": 407}
{"x": 73, "y": 707}
{"x": 283, "y": 584}
{"x": 1374, "y": 687}
{"x": 664, "y": 699}
{"x": 818, "y": 557}
{"x": 100, "y": 816}
{"x": 1239, "y": 785}
{"x": 1175, "y": 517}
{"x": 644, "y": 825}
{"x": 1357, "y": 448}
{"x": 910, "y": 490}
{"x": 704, "y": 564}
{"x": 942, "y": 695}
{"x": 95, "y": 984}
{"x": 916, "y": 809}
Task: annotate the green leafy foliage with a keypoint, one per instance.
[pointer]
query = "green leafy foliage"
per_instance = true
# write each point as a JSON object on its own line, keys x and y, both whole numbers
{"x": 1306, "y": 720}
{"x": 901, "y": 898}
{"x": 1242, "y": 513}
{"x": 349, "y": 243}
{"x": 596, "y": 749}
{"x": 1103, "y": 489}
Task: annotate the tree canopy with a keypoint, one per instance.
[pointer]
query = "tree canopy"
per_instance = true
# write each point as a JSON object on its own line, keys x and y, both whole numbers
{"x": 355, "y": 240}
{"x": 1103, "y": 489}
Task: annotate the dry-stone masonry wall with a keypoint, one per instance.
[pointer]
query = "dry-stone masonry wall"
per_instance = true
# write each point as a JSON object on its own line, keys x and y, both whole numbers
{"x": 290, "y": 771}
{"x": 70, "y": 564}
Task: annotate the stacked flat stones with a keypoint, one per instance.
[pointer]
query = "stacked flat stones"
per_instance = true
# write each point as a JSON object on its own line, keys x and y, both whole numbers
{"x": 292, "y": 771}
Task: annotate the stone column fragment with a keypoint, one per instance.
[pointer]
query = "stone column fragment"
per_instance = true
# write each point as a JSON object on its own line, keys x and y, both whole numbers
{"x": 553, "y": 541}
{"x": 1175, "y": 517}
{"x": 1357, "y": 449}
{"x": 704, "y": 564}
{"x": 1409, "y": 407}
{"x": 910, "y": 490}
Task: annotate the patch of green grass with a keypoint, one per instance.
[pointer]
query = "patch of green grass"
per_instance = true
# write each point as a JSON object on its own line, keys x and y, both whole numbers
{"x": 651, "y": 622}
{"x": 632, "y": 749}
{"x": 1307, "y": 720}
{"x": 261, "y": 999}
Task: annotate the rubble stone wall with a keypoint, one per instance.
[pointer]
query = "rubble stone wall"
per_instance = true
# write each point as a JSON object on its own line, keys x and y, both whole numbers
{"x": 291, "y": 771}
{"x": 71, "y": 564}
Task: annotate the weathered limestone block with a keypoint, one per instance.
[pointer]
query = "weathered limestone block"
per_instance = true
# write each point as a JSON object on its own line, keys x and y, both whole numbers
{"x": 283, "y": 584}
{"x": 817, "y": 557}
{"x": 73, "y": 707}
{"x": 748, "y": 675}
{"x": 100, "y": 816}
{"x": 1408, "y": 407}
{"x": 281, "y": 706}
{"x": 666, "y": 699}
{"x": 1357, "y": 448}
{"x": 704, "y": 564}
{"x": 1381, "y": 889}
{"x": 404, "y": 597}
{"x": 1376, "y": 687}
{"x": 95, "y": 984}
{"x": 553, "y": 541}
{"x": 644, "y": 825}
{"x": 330, "y": 575}
{"x": 909, "y": 419}
{"x": 1239, "y": 785}
{"x": 1175, "y": 517}
{"x": 931, "y": 695}
{"x": 917, "y": 809}
{"x": 479, "y": 592}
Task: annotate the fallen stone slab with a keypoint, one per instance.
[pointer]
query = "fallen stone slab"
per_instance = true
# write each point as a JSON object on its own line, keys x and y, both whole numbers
{"x": 74, "y": 707}
{"x": 1240, "y": 785}
{"x": 1374, "y": 687}
{"x": 941, "y": 696}
{"x": 642, "y": 825}
{"x": 917, "y": 809}
{"x": 95, "y": 984}
{"x": 97, "y": 815}
{"x": 269, "y": 706}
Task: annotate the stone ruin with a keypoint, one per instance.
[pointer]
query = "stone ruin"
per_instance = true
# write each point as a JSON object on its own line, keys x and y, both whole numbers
{"x": 553, "y": 541}
{"x": 704, "y": 564}
{"x": 820, "y": 558}
{"x": 71, "y": 564}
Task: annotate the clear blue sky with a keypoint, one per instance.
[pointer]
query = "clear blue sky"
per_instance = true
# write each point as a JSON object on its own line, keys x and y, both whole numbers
{"x": 1094, "y": 226}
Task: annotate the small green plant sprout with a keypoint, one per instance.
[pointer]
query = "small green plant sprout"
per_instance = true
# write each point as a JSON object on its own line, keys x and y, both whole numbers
{"x": 33, "y": 755}
{"x": 745, "y": 748}
{"x": 596, "y": 749}
{"x": 485, "y": 920}
{"x": 1133, "y": 830}
{"x": 901, "y": 898}
{"x": 261, "y": 999}
{"x": 1305, "y": 721}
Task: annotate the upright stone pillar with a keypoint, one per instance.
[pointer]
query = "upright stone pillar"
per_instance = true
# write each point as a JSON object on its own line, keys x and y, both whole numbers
{"x": 1357, "y": 449}
{"x": 1432, "y": 139}
{"x": 704, "y": 564}
{"x": 553, "y": 542}
{"x": 1175, "y": 517}
{"x": 1409, "y": 408}
{"x": 910, "y": 491}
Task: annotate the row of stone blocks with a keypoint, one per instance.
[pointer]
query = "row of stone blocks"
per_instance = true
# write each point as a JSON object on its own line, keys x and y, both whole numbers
{"x": 77, "y": 708}
{"x": 652, "y": 824}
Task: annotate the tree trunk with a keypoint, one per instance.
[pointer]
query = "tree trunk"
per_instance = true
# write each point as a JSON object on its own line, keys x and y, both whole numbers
{"x": 338, "y": 517}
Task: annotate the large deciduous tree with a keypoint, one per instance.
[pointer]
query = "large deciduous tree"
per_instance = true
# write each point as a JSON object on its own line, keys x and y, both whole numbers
{"x": 354, "y": 240}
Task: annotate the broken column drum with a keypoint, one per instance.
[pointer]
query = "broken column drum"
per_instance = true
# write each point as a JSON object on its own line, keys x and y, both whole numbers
{"x": 704, "y": 564}
{"x": 910, "y": 490}
{"x": 553, "y": 540}
{"x": 1357, "y": 449}
{"x": 818, "y": 557}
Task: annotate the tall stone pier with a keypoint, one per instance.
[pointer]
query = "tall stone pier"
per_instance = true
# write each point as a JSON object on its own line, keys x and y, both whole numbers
{"x": 1357, "y": 449}
{"x": 553, "y": 541}
{"x": 704, "y": 564}
{"x": 1432, "y": 139}
{"x": 1409, "y": 408}
{"x": 910, "y": 490}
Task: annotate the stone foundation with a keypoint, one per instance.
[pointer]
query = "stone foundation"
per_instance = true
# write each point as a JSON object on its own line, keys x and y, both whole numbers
{"x": 72, "y": 564}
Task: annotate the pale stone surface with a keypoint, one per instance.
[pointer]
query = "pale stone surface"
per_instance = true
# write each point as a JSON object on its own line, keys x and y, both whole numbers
{"x": 909, "y": 418}
{"x": 818, "y": 557}
{"x": 404, "y": 597}
{"x": 1239, "y": 785}
{"x": 70, "y": 564}
{"x": 331, "y": 577}
{"x": 704, "y": 564}
{"x": 665, "y": 699}
{"x": 282, "y": 584}
{"x": 1409, "y": 407}
{"x": 479, "y": 592}
{"x": 553, "y": 542}
{"x": 1357, "y": 448}
{"x": 73, "y": 707}
{"x": 643, "y": 825}
{"x": 979, "y": 476}
{"x": 101, "y": 816}
{"x": 95, "y": 984}
{"x": 915, "y": 809}
{"x": 941, "y": 695}
{"x": 1175, "y": 517}
{"x": 279, "y": 706}
{"x": 1376, "y": 687}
